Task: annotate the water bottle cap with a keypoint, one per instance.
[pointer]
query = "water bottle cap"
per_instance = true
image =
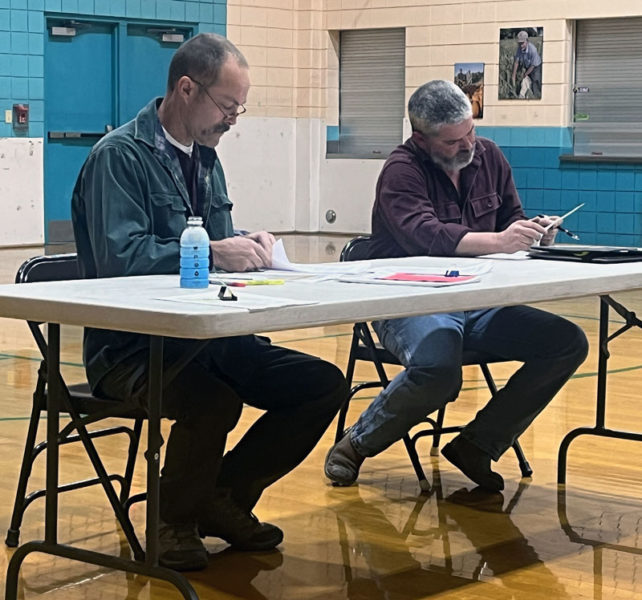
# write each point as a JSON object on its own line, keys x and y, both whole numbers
{"x": 195, "y": 220}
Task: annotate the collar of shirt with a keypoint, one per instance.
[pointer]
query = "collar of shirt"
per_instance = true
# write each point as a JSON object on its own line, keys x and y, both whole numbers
{"x": 174, "y": 142}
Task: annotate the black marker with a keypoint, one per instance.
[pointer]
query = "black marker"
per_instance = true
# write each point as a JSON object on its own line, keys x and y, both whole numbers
{"x": 564, "y": 230}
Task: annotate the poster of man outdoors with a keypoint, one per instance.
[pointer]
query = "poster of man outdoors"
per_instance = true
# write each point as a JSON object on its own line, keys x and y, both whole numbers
{"x": 520, "y": 63}
{"x": 470, "y": 78}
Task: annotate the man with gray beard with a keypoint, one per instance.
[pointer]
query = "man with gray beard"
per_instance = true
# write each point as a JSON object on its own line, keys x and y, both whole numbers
{"x": 445, "y": 192}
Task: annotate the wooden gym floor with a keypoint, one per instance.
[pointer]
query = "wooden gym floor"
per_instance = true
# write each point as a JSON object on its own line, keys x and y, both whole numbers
{"x": 382, "y": 538}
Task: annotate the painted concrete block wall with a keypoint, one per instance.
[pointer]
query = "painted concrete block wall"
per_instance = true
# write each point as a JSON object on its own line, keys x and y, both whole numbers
{"x": 295, "y": 42}
{"x": 280, "y": 177}
{"x": 22, "y": 37}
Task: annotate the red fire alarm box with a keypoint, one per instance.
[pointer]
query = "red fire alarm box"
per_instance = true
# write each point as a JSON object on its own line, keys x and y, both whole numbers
{"x": 20, "y": 117}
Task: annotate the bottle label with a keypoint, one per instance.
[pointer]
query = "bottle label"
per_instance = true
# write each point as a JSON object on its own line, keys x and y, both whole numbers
{"x": 194, "y": 257}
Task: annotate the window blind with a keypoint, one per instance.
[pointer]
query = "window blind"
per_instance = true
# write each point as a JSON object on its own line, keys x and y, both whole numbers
{"x": 371, "y": 91}
{"x": 608, "y": 87}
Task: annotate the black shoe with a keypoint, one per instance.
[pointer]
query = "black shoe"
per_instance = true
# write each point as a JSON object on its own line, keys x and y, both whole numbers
{"x": 473, "y": 462}
{"x": 241, "y": 529}
{"x": 180, "y": 547}
{"x": 342, "y": 462}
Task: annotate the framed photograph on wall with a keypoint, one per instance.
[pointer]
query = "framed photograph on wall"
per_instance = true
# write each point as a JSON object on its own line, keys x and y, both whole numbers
{"x": 470, "y": 78}
{"x": 520, "y": 63}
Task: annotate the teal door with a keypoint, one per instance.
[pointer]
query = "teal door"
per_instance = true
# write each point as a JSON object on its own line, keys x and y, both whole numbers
{"x": 98, "y": 75}
{"x": 79, "y": 105}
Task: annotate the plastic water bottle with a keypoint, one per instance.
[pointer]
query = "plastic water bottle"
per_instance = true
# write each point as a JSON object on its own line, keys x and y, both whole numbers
{"x": 195, "y": 255}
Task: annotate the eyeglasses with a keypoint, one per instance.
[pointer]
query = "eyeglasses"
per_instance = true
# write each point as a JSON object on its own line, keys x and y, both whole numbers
{"x": 226, "y": 113}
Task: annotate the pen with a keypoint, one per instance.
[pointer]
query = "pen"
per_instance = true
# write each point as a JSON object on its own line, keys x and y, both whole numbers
{"x": 564, "y": 230}
{"x": 558, "y": 220}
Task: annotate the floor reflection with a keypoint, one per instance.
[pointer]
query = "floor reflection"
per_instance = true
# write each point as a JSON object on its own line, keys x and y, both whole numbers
{"x": 479, "y": 543}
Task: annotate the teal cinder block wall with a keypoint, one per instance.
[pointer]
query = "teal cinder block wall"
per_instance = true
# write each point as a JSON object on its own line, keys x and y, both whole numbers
{"x": 612, "y": 192}
{"x": 22, "y": 41}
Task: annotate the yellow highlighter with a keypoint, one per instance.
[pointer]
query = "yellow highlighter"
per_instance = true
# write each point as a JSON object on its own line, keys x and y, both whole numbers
{"x": 265, "y": 282}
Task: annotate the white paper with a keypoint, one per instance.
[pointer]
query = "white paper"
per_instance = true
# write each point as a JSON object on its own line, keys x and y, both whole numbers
{"x": 246, "y": 300}
{"x": 281, "y": 261}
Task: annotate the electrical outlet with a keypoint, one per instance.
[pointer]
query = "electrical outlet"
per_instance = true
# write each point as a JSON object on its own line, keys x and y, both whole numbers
{"x": 8, "y": 116}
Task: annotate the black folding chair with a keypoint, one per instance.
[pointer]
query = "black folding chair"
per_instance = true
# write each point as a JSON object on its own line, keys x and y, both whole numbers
{"x": 84, "y": 409}
{"x": 363, "y": 347}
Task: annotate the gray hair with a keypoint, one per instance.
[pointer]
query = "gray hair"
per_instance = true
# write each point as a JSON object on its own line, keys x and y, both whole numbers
{"x": 201, "y": 58}
{"x": 435, "y": 104}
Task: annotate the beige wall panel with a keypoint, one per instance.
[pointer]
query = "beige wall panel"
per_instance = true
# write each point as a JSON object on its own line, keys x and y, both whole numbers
{"x": 446, "y": 14}
{"x": 418, "y": 36}
{"x": 447, "y": 34}
{"x": 309, "y": 19}
{"x": 553, "y": 51}
{"x": 280, "y": 77}
{"x": 480, "y": 33}
{"x": 233, "y": 13}
{"x": 289, "y": 4}
{"x": 359, "y": 19}
{"x": 257, "y": 100}
{"x": 364, "y": 4}
{"x": 555, "y": 72}
{"x": 280, "y": 96}
{"x": 543, "y": 116}
{"x": 449, "y": 55}
{"x": 416, "y": 76}
{"x": 302, "y": 97}
{"x": 282, "y": 19}
{"x": 417, "y": 56}
{"x": 233, "y": 33}
{"x": 280, "y": 38}
{"x": 278, "y": 111}
{"x": 394, "y": 17}
{"x": 255, "y": 55}
{"x": 307, "y": 58}
{"x": 480, "y": 12}
{"x": 258, "y": 76}
{"x": 280, "y": 57}
{"x": 333, "y": 19}
{"x": 254, "y": 36}
{"x": 253, "y": 16}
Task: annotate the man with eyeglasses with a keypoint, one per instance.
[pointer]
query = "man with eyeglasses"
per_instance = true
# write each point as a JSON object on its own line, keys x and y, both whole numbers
{"x": 445, "y": 192}
{"x": 130, "y": 204}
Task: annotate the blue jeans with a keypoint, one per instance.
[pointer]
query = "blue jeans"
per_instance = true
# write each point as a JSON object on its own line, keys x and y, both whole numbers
{"x": 430, "y": 347}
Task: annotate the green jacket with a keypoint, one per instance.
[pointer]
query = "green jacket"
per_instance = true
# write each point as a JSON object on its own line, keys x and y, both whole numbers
{"x": 129, "y": 208}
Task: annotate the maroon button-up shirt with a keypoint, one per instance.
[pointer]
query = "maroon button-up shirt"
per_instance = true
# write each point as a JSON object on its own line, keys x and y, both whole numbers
{"x": 419, "y": 212}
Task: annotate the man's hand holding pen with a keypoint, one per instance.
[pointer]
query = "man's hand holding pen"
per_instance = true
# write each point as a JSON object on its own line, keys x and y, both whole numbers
{"x": 551, "y": 224}
{"x": 558, "y": 226}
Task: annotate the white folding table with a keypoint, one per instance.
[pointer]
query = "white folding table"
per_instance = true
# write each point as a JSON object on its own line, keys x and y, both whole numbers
{"x": 139, "y": 304}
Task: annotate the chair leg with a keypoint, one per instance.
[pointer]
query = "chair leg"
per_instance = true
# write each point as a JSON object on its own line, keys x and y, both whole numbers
{"x": 341, "y": 422}
{"x": 19, "y": 505}
{"x": 416, "y": 463}
{"x": 131, "y": 461}
{"x": 523, "y": 463}
{"x": 436, "y": 438}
